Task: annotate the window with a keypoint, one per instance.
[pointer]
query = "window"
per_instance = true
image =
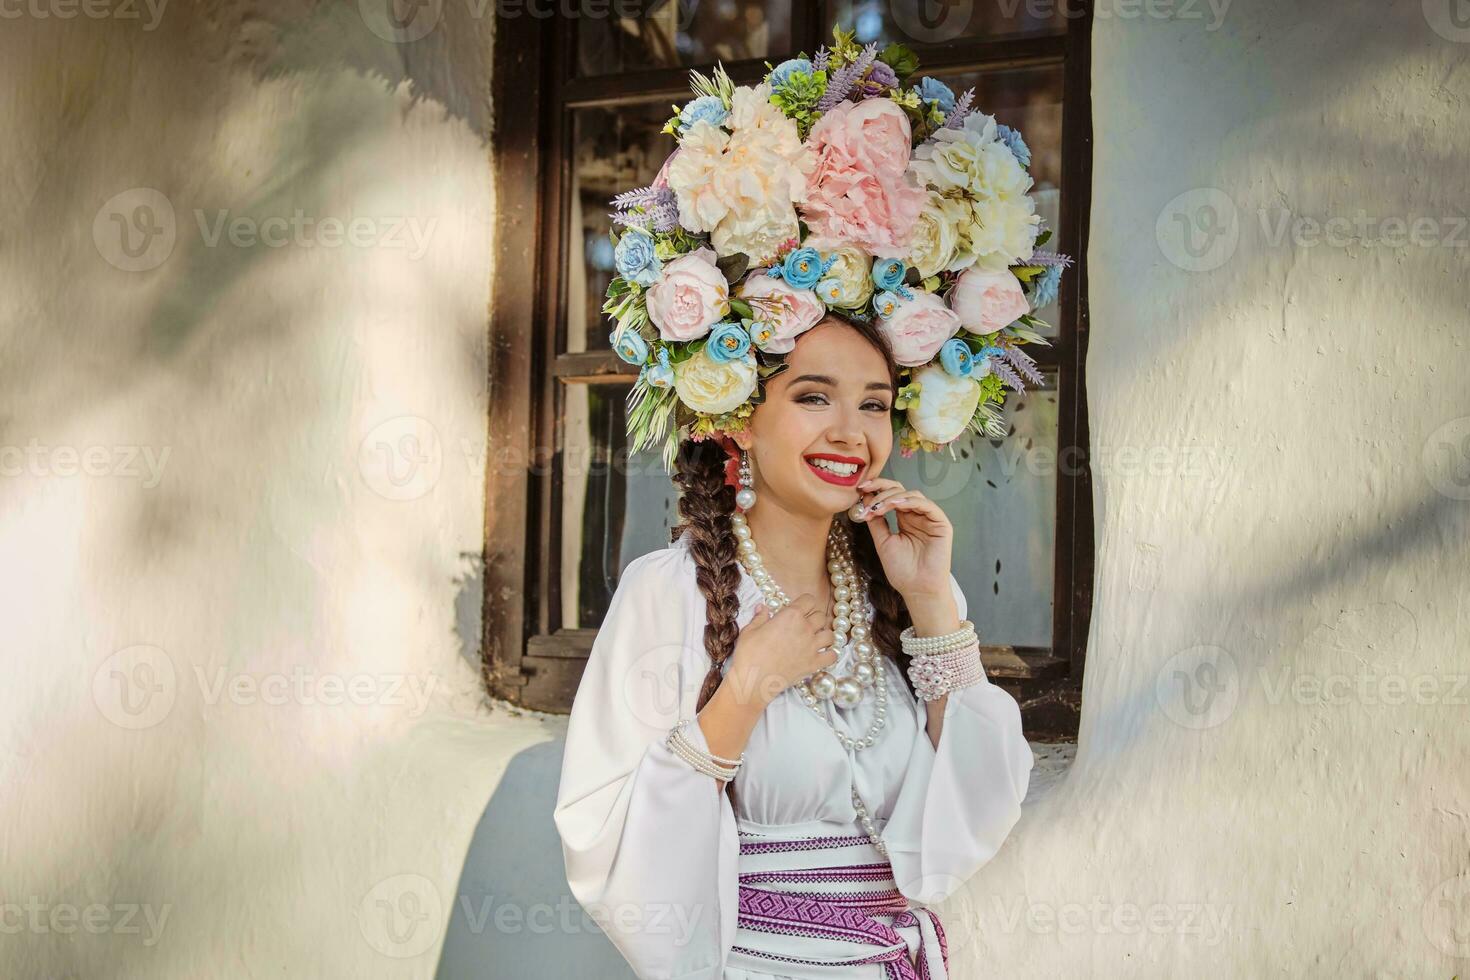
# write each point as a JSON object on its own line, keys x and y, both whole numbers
{"x": 580, "y": 104}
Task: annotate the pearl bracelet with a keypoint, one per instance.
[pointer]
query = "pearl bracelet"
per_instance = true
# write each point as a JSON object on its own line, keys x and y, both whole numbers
{"x": 917, "y": 646}
{"x": 711, "y": 765}
{"x": 936, "y": 674}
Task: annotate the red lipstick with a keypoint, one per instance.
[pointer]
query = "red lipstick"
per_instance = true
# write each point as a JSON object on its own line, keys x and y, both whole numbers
{"x": 833, "y": 478}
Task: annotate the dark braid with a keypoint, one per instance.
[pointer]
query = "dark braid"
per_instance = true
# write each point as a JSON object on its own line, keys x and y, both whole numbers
{"x": 705, "y": 505}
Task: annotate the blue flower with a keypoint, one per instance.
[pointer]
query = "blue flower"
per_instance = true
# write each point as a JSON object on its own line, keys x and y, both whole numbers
{"x": 933, "y": 90}
{"x": 727, "y": 342}
{"x": 635, "y": 259}
{"x": 1046, "y": 286}
{"x": 830, "y": 290}
{"x": 888, "y": 273}
{"x": 706, "y": 108}
{"x": 956, "y": 359}
{"x": 782, "y": 73}
{"x": 660, "y": 375}
{"x": 885, "y": 303}
{"x": 803, "y": 268}
{"x": 1015, "y": 144}
{"x": 631, "y": 348}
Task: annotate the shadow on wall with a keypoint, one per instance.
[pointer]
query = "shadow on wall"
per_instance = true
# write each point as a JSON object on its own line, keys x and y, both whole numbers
{"x": 514, "y": 915}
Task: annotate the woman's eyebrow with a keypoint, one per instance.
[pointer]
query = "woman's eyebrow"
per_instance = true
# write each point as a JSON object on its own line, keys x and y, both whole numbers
{"x": 828, "y": 380}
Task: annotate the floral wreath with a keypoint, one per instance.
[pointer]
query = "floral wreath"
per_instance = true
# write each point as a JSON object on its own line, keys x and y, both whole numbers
{"x": 833, "y": 184}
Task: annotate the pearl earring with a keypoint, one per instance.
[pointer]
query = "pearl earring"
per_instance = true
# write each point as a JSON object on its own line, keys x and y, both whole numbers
{"x": 745, "y": 498}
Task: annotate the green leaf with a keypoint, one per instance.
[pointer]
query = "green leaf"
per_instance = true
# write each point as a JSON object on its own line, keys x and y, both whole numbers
{"x": 1044, "y": 237}
{"x": 902, "y": 60}
{"x": 741, "y": 308}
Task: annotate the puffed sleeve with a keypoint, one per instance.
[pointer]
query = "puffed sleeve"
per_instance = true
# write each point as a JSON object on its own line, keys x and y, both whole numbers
{"x": 650, "y": 845}
{"x": 959, "y": 801}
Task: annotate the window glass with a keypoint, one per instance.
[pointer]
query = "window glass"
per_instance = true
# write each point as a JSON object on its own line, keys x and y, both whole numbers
{"x": 1001, "y": 498}
{"x": 613, "y": 150}
{"x": 671, "y": 33}
{"x": 614, "y": 507}
{"x": 917, "y": 22}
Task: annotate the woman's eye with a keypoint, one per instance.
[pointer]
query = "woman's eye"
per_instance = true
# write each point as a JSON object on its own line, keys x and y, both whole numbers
{"x": 876, "y": 406}
{"x": 807, "y": 399}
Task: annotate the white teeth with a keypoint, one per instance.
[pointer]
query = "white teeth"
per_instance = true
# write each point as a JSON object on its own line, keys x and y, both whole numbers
{"x": 832, "y": 466}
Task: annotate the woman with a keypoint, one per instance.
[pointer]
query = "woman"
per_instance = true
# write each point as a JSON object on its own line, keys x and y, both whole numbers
{"x": 721, "y": 815}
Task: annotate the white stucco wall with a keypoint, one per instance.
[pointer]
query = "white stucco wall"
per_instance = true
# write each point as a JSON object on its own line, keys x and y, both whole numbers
{"x": 1280, "y": 434}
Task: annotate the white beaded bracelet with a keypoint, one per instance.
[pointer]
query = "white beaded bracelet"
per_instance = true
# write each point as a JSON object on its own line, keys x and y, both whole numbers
{"x": 917, "y": 646}
{"x": 936, "y": 674}
{"x": 711, "y": 765}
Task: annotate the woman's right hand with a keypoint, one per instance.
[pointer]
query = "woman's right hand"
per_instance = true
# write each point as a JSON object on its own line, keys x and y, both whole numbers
{"x": 775, "y": 652}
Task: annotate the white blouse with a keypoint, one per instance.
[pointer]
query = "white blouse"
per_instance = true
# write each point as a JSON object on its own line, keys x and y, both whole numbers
{"x": 652, "y": 850}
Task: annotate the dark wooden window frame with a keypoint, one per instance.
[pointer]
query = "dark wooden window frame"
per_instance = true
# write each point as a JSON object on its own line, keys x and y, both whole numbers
{"x": 526, "y": 657}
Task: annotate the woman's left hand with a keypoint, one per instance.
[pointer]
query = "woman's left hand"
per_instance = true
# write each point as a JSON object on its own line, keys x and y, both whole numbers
{"x": 916, "y": 558}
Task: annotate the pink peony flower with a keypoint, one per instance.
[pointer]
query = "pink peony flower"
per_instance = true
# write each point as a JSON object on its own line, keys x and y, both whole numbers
{"x": 689, "y": 298}
{"x": 791, "y": 311}
{"x": 918, "y": 327}
{"x": 860, "y": 191}
{"x": 987, "y": 301}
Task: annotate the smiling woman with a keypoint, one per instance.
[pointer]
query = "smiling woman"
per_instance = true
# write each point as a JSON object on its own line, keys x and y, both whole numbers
{"x": 862, "y": 760}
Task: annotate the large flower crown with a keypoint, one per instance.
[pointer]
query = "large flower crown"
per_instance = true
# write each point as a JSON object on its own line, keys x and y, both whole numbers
{"x": 833, "y": 184}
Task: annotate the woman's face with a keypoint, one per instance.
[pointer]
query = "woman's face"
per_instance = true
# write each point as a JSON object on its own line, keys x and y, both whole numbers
{"x": 824, "y": 426}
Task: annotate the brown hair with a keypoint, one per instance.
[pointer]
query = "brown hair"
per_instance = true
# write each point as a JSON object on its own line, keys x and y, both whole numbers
{"x": 706, "y": 504}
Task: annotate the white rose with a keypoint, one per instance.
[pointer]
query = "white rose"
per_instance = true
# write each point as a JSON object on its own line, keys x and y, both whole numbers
{"x": 1004, "y": 233}
{"x": 939, "y": 236}
{"x": 852, "y": 270}
{"x": 758, "y": 232}
{"x": 707, "y": 385}
{"x": 945, "y": 406}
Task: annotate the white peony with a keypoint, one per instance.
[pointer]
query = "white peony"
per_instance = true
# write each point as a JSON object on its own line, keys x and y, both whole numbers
{"x": 1004, "y": 233}
{"x": 945, "y": 406}
{"x": 714, "y": 387}
{"x": 941, "y": 235}
{"x": 971, "y": 159}
{"x": 740, "y": 185}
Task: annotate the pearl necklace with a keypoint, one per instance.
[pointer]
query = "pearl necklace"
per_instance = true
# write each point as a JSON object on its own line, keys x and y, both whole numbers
{"x": 847, "y": 691}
